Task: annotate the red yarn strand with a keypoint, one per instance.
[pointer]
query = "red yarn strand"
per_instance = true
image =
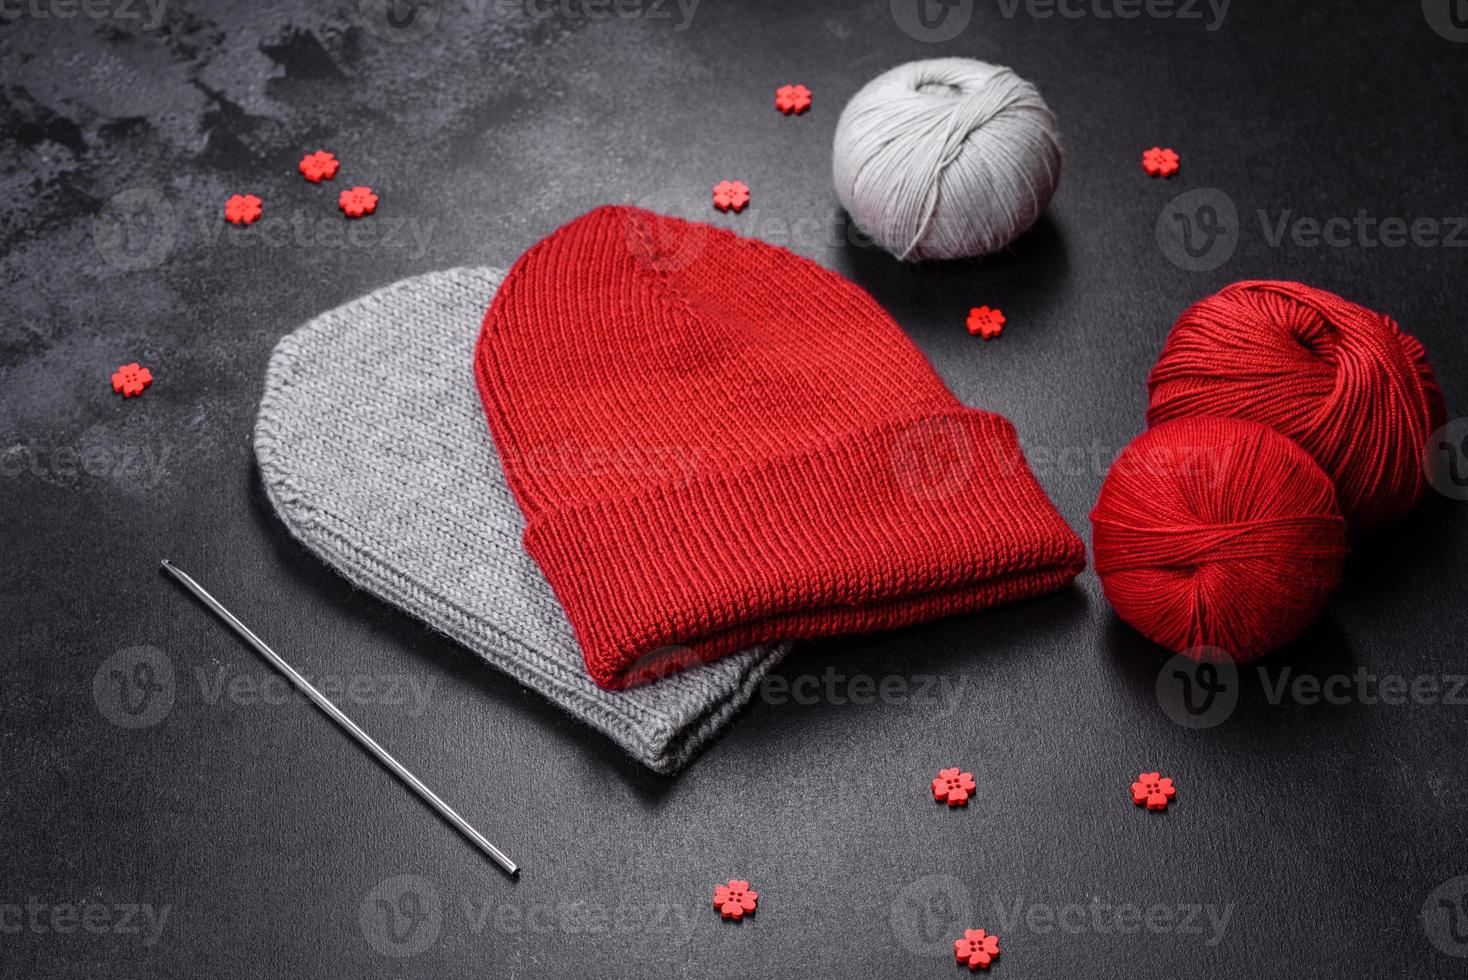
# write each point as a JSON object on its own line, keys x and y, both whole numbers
{"x": 1217, "y": 532}
{"x": 1342, "y": 381}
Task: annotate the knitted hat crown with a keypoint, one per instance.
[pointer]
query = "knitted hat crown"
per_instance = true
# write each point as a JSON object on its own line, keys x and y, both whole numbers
{"x": 717, "y": 442}
{"x": 373, "y": 450}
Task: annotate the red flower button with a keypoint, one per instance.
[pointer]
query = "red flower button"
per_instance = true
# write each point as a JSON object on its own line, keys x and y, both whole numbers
{"x": 1159, "y": 162}
{"x": 1153, "y": 789}
{"x": 977, "y": 948}
{"x": 735, "y": 899}
{"x": 731, "y": 195}
{"x": 242, "y": 209}
{"x": 357, "y": 201}
{"x": 792, "y": 99}
{"x": 953, "y": 787}
{"x": 985, "y": 322}
{"x": 319, "y": 166}
{"x": 131, "y": 379}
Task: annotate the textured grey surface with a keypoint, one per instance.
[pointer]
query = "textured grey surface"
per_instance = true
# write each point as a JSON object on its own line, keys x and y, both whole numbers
{"x": 1327, "y": 829}
{"x": 374, "y": 450}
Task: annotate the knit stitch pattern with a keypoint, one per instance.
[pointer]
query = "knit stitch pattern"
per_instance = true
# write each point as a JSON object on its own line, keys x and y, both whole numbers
{"x": 775, "y": 459}
{"x": 374, "y": 452}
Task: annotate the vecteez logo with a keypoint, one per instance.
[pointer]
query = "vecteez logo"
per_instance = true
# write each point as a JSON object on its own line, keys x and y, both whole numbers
{"x": 406, "y": 915}
{"x": 1445, "y": 917}
{"x": 932, "y": 21}
{"x": 149, "y": 13}
{"x": 679, "y": 12}
{"x": 1363, "y": 230}
{"x": 1198, "y": 688}
{"x": 936, "y": 21}
{"x": 933, "y": 458}
{"x": 88, "y": 916}
{"x": 135, "y": 230}
{"x": 401, "y": 916}
{"x": 400, "y": 21}
{"x": 1199, "y": 229}
{"x": 134, "y": 688}
{"x": 1449, "y": 18}
{"x": 1445, "y": 460}
{"x": 1211, "y": 13}
{"x": 929, "y": 912}
{"x": 938, "y": 696}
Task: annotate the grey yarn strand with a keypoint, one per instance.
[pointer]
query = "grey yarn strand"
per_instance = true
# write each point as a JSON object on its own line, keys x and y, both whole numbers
{"x": 374, "y": 451}
{"x": 946, "y": 158}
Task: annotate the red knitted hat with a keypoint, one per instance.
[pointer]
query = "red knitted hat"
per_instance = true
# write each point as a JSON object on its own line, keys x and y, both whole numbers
{"x": 717, "y": 442}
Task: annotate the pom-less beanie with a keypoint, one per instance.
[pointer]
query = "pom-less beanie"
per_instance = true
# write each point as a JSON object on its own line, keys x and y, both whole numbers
{"x": 373, "y": 449}
{"x": 718, "y": 443}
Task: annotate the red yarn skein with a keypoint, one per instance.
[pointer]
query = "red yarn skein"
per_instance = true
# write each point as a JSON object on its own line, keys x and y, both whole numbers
{"x": 1217, "y": 532}
{"x": 1342, "y": 381}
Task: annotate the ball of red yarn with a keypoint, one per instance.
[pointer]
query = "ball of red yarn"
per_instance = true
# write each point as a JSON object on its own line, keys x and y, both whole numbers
{"x": 1342, "y": 381}
{"x": 1217, "y": 532}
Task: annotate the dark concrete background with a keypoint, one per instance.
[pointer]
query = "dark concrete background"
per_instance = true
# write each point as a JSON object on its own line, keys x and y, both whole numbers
{"x": 1328, "y": 836}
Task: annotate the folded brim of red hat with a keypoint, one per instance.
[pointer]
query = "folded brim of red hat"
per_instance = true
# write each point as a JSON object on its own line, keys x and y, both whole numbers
{"x": 717, "y": 443}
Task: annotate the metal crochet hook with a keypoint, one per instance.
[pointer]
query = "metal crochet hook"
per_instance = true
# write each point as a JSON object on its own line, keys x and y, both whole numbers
{"x": 335, "y": 714}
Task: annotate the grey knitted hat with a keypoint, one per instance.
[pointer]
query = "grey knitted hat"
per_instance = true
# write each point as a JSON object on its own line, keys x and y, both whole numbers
{"x": 374, "y": 449}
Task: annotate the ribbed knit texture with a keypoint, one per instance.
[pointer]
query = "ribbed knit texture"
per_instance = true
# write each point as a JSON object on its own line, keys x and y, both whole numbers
{"x": 717, "y": 443}
{"x": 373, "y": 449}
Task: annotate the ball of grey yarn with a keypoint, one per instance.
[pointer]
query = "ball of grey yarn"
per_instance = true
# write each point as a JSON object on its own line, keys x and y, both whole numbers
{"x": 946, "y": 158}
